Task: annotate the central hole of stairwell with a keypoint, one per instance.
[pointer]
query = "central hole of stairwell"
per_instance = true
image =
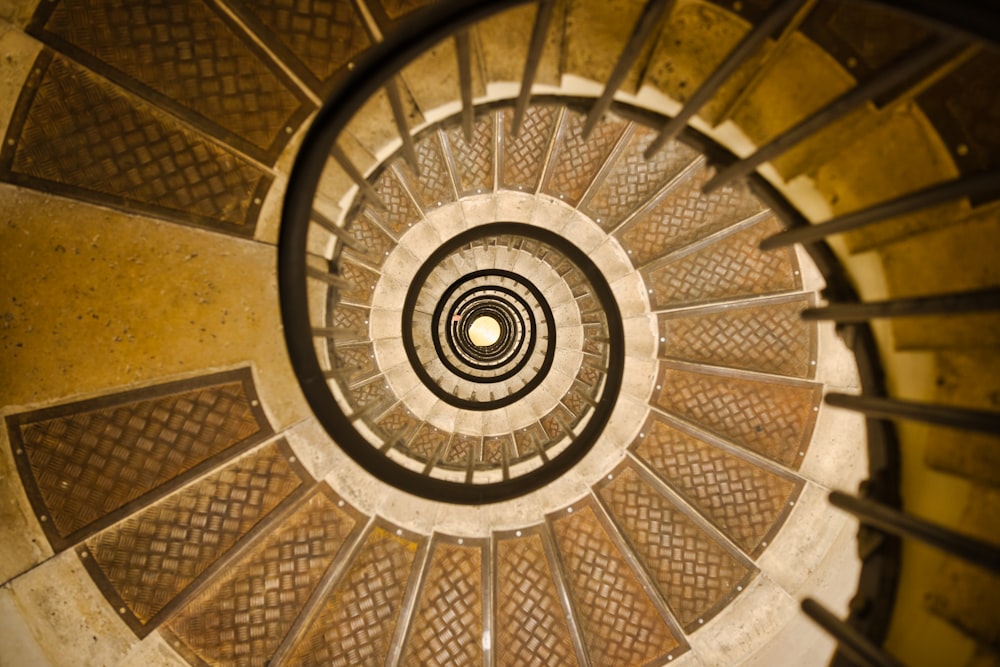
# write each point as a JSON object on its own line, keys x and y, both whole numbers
{"x": 484, "y": 331}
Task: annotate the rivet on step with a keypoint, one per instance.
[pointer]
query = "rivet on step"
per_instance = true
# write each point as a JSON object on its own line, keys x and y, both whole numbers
{"x": 291, "y": 459}
{"x": 288, "y": 129}
{"x": 399, "y": 531}
{"x": 340, "y": 503}
{"x": 350, "y": 66}
{"x": 569, "y": 509}
{"x": 461, "y": 541}
{"x": 11, "y": 142}
{"x": 20, "y": 451}
{"x": 43, "y": 518}
{"x": 763, "y": 544}
{"x": 700, "y": 621}
{"x": 812, "y": 363}
{"x": 739, "y": 588}
{"x": 121, "y": 610}
{"x": 255, "y": 402}
{"x": 852, "y": 62}
{"x": 256, "y": 200}
{"x": 83, "y": 553}
{"x": 518, "y": 533}
{"x": 962, "y": 149}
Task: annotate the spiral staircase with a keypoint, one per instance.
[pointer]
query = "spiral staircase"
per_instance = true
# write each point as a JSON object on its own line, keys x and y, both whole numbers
{"x": 538, "y": 388}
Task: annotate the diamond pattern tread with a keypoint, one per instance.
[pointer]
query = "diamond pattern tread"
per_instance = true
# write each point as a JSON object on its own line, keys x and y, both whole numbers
{"x": 434, "y": 184}
{"x": 474, "y": 159}
{"x": 361, "y": 282}
{"x": 768, "y": 337}
{"x": 186, "y": 56}
{"x": 633, "y": 179}
{"x": 732, "y": 267}
{"x": 745, "y": 501}
{"x": 684, "y": 215}
{"x": 86, "y": 464}
{"x": 355, "y": 623}
{"x": 262, "y": 594}
{"x": 530, "y": 622}
{"x": 143, "y": 563}
{"x": 447, "y": 625}
{"x": 695, "y": 573}
{"x": 524, "y": 155}
{"x": 76, "y": 135}
{"x": 576, "y": 161}
{"x": 772, "y": 418}
{"x": 619, "y": 622}
{"x": 400, "y": 212}
{"x": 315, "y": 39}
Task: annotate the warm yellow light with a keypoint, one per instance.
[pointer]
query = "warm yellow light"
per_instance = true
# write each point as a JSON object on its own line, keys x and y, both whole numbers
{"x": 484, "y": 331}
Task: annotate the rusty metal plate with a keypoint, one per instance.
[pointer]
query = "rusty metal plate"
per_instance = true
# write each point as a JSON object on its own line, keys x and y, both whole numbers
{"x": 148, "y": 564}
{"x": 186, "y": 56}
{"x": 744, "y": 500}
{"x": 77, "y": 135}
{"x": 87, "y": 464}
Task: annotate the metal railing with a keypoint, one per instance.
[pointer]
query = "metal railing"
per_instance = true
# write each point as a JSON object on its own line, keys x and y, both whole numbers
{"x": 860, "y": 635}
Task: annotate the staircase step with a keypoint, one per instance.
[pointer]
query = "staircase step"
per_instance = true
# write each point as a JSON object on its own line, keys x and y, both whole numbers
{"x": 769, "y": 416}
{"x": 921, "y": 265}
{"x": 691, "y": 215}
{"x": 147, "y": 563}
{"x": 625, "y": 627}
{"x": 696, "y": 574}
{"x": 729, "y": 267}
{"x": 357, "y": 619}
{"x": 262, "y": 594}
{"x": 766, "y": 336}
{"x": 451, "y": 612}
{"x": 961, "y": 593}
{"x": 968, "y": 378}
{"x": 745, "y": 500}
{"x": 503, "y": 57}
{"x": 596, "y": 29}
{"x": 532, "y": 624}
{"x": 575, "y": 161}
{"x": 524, "y": 156}
{"x": 633, "y": 179}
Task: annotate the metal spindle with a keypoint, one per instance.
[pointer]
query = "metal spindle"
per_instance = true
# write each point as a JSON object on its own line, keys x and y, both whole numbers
{"x": 737, "y": 57}
{"x": 854, "y": 644}
{"x": 896, "y": 74}
{"x": 763, "y": 71}
{"x": 651, "y": 15}
{"x": 336, "y": 230}
{"x": 464, "y": 55}
{"x": 399, "y": 115}
{"x": 941, "y": 304}
{"x": 984, "y": 185}
{"x": 338, "y": 332}
{"x": 968, "y": 419}
{"x": 328, "y": 278}
{"x": 538, "y": 33}
{"x": 907, "y": 526}
{"x": 352, "y": 172}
